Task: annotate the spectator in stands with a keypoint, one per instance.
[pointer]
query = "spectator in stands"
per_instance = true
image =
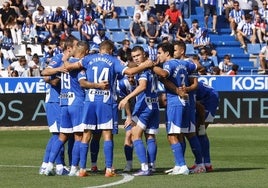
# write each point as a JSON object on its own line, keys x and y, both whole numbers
{"x": 100, "y": 36}
{"x": 15, "y": 29}
{"x": 88, "y": 30}
{"x": 174, "y": 16}
{"x": 195, "y": 30}
{"x": 228, "y": 6}
{"x": 226, "y": 65}
{"x": 183, "y": 6}
{"x": 7, "y": 46}
{"x": 14, "y": 73}
{"x": 21, "y": 66}
{"x": 203, "y": 43}
{"x": 70, "y": 19}
{"x": 234, "y": 70}
{"x": 152, "y": 50}
{"x": 31, "y": 5}
{"x": 236, "y": 15}
{"x": 5, "y": 13}
{"x": 55, "y": 20}
{"x": 106, "y": 9}
{"x": 216, "y": 71}
{"x": 124, "y": 52}
{"x": 29, "y": 34}
{"x": 263, "y": 7}
{"x": 164, "y": 28}
{"x": 260, "y": 28}
{"x": 28, "y": 55}
{"x": 152, "y": 28}
{"x": 35, "y": 66}
{"x": 143, "y": 12}
{"x": 17, "y": 5}
{"x": 39, "y": 19}
{"x": 246, "y": 32}
{"x": 161, "y": 6}
{"x": 210, "y": 9}
{"x": 184, "y": 34}
{"x": 263, "y": 55}
{"x": 86, "y": 11}
{"x": 206, "y": 62}
{"x": 76, "y": 4}
{"x": 136, "y": 30}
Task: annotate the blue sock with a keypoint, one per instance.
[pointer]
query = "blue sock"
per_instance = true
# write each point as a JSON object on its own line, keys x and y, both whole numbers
{"x": 140, "y": 150}
{"x": 108, "y": 148}
{"x": 205, "y": 145}
{"x": 83, "y": 155}
{"x": 151, "y": 150}
{"x": 178, "y": 154}
{"x": 128, "y": 152}
{"x": 196, "y": 149}
{"x": 76, "y": 153}
{"x": 60, "y": 157}
{"x": 70, "y": 149}
{"x": 55, "y": 150}
{"x": 49, "y": 146}
{"x": 94, "y": 150}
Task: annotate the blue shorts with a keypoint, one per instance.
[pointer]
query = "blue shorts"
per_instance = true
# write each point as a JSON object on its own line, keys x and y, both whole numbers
{"x": 211, "y": 106}
{"x": 148, "y": 120}
{"x": 178, "y": 119}
{"x": 71, "y": 119}
{"x": 53, "y": 116}
{"x": 97, "y": 115}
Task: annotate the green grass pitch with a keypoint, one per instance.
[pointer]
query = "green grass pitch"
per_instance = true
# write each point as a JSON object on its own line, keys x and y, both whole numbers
{"x": 239, "y": 156}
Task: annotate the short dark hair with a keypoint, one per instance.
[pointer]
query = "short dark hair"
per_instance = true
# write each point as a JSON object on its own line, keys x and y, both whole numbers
{"x": 167, "y": 47}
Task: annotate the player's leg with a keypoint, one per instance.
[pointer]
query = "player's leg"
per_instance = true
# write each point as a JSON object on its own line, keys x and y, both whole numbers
{"x": 128, "y": 149}
{"x": 94, "y": 149}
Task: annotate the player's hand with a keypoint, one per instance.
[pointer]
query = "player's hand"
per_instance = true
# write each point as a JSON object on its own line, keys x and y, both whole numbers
{"x": 104, "y": 85}
{"x": 122, "y": 104}
{"x": 128, "y": 122}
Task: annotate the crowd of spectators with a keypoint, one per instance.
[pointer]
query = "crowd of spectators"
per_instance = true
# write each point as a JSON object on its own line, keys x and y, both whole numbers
{"x": 24, "y": 22}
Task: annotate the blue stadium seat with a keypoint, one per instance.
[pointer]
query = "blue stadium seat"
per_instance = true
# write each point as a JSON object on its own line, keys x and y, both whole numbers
{"x": 254, "y": 48}
{"x": 76, "y": 34}
{"x": 118, "y": 36}
{"x": 130, "y": 11}
{"x": 190, "y": 49}
{"x": 121, "y": 12}
{"x": 108, "y": 35}
{"x": 111, "y": 24}
{"x": 124, "y": 23}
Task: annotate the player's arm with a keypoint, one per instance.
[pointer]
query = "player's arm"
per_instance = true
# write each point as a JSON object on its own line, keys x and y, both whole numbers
{"x": 129, "y": 115}
{"x": 91, "y": 85}
{"x": 193, "y": 84}
{"x": 52, "y": 81}
{"x": 172, "y": 87}
{"x": 51, "y": 71}
{"x": 140, "y": 88}
{"x": 160, "y": 72}
{"x": 134, "y": 70}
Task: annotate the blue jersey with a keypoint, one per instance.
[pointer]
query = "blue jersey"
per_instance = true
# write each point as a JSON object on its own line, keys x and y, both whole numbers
{"x": 124, "y": 87}
{"x": 71, "y": 92}
{"x": 205, "y": 93}
{"x": 52, "y": 93}
{"x": 148, "y": 99}
{"x": 102, "y": 67}
{"x": 178, "y": 74}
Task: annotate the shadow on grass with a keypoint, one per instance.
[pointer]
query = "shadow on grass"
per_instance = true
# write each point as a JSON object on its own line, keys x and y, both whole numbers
{"x": 234, "y": 169}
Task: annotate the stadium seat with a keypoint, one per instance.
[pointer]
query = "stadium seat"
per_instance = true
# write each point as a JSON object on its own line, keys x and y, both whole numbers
{"x": 121, "y": 12}
{"x": 108, "y": 35}
{"x": 47, "y": 8}
{"x": 19, "y": 50}
{"x": 124, "y": 23}
{"x": 76, "y": 34}
{"x": 111, "y": 24}
{"x": 190, "y": 49}
{"x": 254, "y": 49}
{"x": 130, "y": 11}
{"x": 118, "y": 36}
{"x": 36, "y": 49}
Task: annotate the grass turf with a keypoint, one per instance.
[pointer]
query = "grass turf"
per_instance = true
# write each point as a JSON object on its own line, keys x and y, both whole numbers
{"x": 238, "y": 155}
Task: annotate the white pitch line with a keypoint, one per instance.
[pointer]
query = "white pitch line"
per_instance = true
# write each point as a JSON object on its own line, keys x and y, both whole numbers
{"x": 126, "y": 179}
{"x": 18, "y": 166}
